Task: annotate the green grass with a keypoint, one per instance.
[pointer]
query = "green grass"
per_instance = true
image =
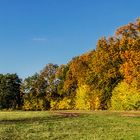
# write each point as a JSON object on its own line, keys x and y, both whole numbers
{"x": 69, "y": 125}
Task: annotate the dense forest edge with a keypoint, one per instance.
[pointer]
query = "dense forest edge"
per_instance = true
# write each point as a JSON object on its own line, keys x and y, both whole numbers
{"x": 107, "y": 78}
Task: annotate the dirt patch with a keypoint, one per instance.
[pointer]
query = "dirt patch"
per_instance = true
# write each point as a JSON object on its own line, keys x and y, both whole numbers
{"x": 131, "y": 114}
{"x": 68, "y": 114}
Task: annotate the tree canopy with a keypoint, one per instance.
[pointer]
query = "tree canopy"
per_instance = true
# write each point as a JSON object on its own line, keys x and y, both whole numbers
{"x": 103, "y": 78}
{"x": 10, "y": 97}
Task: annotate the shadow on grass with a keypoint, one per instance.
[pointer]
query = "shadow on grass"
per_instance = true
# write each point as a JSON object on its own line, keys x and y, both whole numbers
{"x": 51, "y": 118}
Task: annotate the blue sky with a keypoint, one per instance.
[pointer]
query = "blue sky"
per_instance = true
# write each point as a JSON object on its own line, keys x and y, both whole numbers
{"x": 36, "y": 32}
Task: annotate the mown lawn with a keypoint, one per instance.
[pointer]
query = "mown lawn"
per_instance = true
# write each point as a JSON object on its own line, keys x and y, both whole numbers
{"x": 69, "y": 125}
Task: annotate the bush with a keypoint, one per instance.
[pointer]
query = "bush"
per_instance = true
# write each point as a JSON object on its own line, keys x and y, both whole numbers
{"x": 126, "y": 97}
{"x": 64, "y": 103}
{"x": 34, "y": 104}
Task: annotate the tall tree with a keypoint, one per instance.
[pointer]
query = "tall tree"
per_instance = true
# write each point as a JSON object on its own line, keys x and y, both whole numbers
{"x": 129, "y": 36}
{"x": 48, "y": 74}
{"x": 10, "y": 91}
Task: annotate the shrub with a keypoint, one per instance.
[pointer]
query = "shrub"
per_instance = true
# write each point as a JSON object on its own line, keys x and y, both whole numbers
{"x": 64, "y": 103}
{"x": 34, "y": 104}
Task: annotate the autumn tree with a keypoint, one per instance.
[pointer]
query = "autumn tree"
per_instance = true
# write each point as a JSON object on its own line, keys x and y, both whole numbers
{"x": 105, "y": 65}
{"x": 48, "y": 74}
{"x": 91, "y": 80}
{"x": 129, "y": 37}
{"x": 33, "y": 89}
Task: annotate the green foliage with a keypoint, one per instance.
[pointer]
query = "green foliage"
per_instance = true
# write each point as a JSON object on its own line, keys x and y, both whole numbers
{"x": 40, "y": 89}
{"x": 10, "y": 91}
{"x": 61, "y": 77}
{"x": 34, "y": 90}
{"x": 126, "y": 97}
{"x": 48, "y": 76}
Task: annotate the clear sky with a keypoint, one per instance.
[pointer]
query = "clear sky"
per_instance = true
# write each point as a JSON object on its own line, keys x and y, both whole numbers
{"x": 36, "y": 32}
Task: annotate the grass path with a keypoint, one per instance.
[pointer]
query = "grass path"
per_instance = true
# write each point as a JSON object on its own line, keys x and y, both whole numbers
{"x": 69, "y": 125}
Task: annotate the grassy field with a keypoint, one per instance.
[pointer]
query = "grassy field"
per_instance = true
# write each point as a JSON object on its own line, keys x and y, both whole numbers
{"x": 69, "y": 125}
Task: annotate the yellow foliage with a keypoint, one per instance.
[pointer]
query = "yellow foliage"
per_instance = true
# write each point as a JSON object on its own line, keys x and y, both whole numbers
{"x": 34, "y": 104}
{"x": 82, "y": 98}
{"x": 62, "y": 104}
{"x": 95, "y": 100}
{"x": 54, "y": 105}
{"x": 126, "y": 97}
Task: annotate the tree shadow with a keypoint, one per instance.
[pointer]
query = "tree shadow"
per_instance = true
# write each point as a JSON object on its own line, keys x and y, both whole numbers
{"x": 51, "y": 118}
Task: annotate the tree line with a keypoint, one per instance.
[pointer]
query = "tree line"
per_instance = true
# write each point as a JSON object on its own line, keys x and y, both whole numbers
{"x": 107, "y": 77}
